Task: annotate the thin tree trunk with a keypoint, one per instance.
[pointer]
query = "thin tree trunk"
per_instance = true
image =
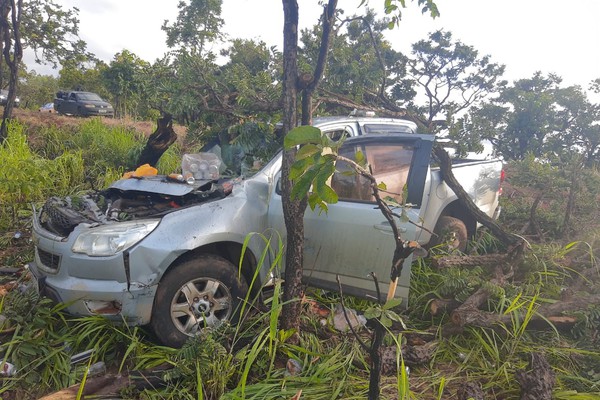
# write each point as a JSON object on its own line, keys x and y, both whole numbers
{"x": 11, "y": 42}
{"x": 573, "y": 187}
{"x": 293, "y": 209}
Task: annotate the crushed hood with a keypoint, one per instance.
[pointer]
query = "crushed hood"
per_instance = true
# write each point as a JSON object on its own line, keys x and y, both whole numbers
{"x": 126, "y": 200}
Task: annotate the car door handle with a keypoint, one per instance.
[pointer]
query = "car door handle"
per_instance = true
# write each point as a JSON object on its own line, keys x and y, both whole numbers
{"x": 386, "y": 227}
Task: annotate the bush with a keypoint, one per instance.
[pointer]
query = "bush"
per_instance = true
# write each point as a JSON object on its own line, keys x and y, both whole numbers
{"x": 27, "y": 178}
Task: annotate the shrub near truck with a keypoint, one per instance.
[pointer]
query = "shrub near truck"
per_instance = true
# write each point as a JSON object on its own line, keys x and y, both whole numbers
{"x": 156, "y": 252}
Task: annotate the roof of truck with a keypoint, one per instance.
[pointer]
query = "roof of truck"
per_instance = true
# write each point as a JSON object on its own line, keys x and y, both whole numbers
{"x": 323, "y": 121}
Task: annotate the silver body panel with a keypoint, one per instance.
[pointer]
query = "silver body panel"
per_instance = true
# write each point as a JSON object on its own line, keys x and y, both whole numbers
{"x": 352, "y": 240}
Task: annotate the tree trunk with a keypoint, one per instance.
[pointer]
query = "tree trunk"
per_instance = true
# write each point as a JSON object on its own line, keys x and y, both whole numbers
{"x": 533, "y": 223}
{"x": 11, "y": 40}
{"x": 465, "y": 200}
{"x": 573, "y": 187}
{"x": 293, "y": 209}
{"x": 158, "y": 142}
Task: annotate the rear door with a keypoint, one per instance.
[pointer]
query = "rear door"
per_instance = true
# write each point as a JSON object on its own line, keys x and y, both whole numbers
{"x": 354, "y": 238}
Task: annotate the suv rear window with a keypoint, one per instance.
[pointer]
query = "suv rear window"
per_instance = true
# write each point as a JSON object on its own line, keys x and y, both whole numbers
{"x": 386, "y": 128}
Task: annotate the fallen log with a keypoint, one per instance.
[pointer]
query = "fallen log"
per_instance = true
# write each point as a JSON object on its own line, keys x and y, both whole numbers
{"x": 483, "y": 319}
{"x": 92, "y": 385}
{"x": 111, "y": 384}
{"x": 443, "y": 306}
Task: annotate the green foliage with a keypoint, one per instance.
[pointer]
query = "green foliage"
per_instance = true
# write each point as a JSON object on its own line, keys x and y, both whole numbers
{"x": 26, "y": 177}
{"x": 74, "y": 76}
{"x": 439, "y": 62}
{"x": 36, "y": 346}
{"x": 122, "y": 79}
{"x": 314, "y": 165}
{"x": 36, "y": 90}
{"x": 384, "y": 313}
{"x": 539, "y": 191}
{"x": 198, "y": 23}
{"x": 51, "y": 31}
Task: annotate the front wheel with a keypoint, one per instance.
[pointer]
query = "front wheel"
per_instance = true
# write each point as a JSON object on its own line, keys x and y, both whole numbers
{"x": 451, "y": 232}
{"x": 198, "y": 293}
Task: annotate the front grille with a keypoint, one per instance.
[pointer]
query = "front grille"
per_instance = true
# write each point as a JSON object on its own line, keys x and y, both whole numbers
{"x": 49, "y": 260}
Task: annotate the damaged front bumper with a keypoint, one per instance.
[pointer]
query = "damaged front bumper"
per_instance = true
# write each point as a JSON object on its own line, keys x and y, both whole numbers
{"x": 88, "y": 285}
{"x": 85, "y": 297}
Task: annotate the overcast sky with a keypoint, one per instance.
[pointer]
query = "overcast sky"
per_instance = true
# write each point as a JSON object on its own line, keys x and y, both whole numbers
{"x": 562, "y": 37}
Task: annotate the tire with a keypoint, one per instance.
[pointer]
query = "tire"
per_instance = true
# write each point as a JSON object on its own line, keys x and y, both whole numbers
{"x": 197, "y": 293}
{"x": 451, "y": 233}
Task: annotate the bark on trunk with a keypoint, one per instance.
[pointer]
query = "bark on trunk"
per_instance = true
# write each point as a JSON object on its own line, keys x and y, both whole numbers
{"x": 450, "y": 179}
{"x": 533, "y": 222}
{"x": 442, "y": 306}
{"x": 158, "y": 142}
{"x": 573, "y": 187}
{"x": 11, "y": 39}
{"x": 293, "y": 210}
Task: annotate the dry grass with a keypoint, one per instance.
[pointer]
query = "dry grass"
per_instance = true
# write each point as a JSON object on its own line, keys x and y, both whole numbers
{"x": 36, "y": 119}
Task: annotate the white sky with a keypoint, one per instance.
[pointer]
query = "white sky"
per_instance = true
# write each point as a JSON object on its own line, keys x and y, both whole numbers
{"x": 562, "y": 37}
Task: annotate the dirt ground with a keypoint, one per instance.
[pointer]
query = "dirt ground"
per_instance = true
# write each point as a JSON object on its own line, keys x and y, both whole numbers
{"x": 36, "y": 118}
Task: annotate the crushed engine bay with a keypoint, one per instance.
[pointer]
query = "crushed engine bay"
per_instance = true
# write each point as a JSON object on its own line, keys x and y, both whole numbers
{"x": 126, "y": 200}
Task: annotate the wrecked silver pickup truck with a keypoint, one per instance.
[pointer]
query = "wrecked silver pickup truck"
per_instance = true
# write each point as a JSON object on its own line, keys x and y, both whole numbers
{"x": 150, "y": 251}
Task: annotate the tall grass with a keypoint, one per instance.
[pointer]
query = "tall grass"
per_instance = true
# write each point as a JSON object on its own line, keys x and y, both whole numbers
{"x": 66, "y": 162}
{"x": 26, "y": 178}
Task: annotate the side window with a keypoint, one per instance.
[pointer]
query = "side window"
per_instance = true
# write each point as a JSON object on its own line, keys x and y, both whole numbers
{"x": 337, "y": 134}
{"x": 388, "y": 163}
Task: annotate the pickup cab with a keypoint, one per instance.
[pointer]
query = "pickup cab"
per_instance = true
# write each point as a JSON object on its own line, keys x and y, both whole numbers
{"x": 82, "y": 104}
{"x": 163, "y": 253}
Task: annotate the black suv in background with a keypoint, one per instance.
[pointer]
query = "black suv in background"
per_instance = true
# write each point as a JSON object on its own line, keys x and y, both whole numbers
{"x": 83, "y": 104}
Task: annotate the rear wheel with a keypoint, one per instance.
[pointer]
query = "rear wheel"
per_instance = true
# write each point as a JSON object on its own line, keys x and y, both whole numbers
{"x": 451, "y": 233}
{"x": 198, "y": 293}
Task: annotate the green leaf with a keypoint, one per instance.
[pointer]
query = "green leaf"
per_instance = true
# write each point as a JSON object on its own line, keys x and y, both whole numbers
{"x": 313, "y": 200}
{"x": 382, "y": 186}
{"x": 392, "y": 315}
{"x": 359, "y": 157}
{"x": 327, "y": 194}
{"x": 306, "y": 151}
{"x": 391, "y": 303}
{"x": 404, "y": 216}
{"x": 299, "y": 167}
{"x": 303, "y": 183}
{"x": 385, "y": 321}
{"x": 302, "y": 135}
{"x": 372, "y": 313}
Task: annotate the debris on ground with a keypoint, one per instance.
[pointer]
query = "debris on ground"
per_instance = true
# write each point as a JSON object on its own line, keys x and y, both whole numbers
{"x": 341, "y": 324}
{"x": 293, "y": 367}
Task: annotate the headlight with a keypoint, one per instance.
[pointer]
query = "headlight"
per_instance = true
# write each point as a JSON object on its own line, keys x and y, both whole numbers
{"x": 110, "y": 239}
{"x": 90, "y": 106}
